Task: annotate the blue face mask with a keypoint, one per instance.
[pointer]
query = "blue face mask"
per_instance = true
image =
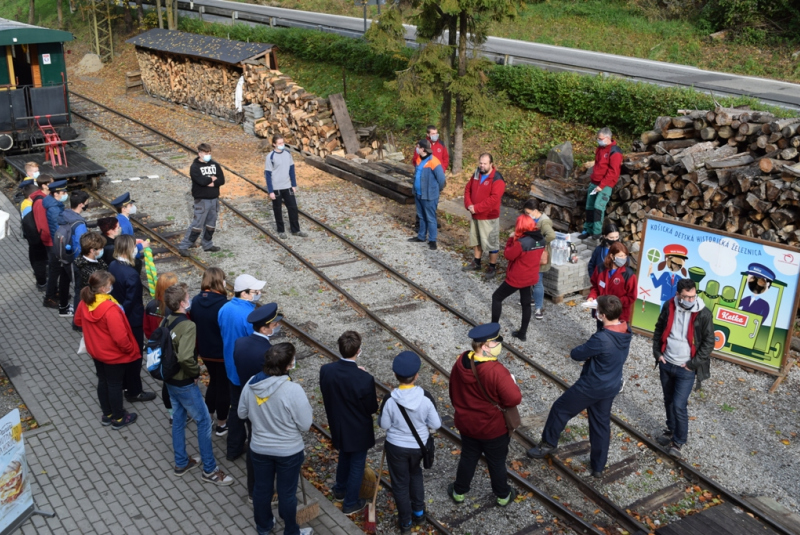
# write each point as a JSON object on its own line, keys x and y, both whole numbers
{"x": 206, "y": 158}
{"x": 99, "y": 255}
{"x": 279, "y": 148}
{"x": 35, "y": 175}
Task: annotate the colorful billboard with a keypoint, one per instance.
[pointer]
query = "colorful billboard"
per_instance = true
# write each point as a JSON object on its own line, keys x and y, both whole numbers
{"x": 16, "y": 498}
{"x": 749, "y": 285}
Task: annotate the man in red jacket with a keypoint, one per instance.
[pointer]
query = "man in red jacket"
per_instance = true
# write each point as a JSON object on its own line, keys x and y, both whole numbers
{"x": 605, "y": 174}
{"x": 480, "y": 422}
{"x": 482, "y": 196}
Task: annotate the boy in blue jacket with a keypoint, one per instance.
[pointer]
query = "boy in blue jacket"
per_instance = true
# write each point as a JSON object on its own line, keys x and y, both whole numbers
{"x": 604, "y": 356}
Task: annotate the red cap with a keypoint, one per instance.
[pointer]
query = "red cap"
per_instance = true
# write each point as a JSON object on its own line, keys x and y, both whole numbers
{"x": 676, "y": 250}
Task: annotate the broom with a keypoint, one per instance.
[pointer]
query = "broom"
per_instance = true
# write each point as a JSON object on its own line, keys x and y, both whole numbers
{"x": 310, "y": 510}
{"x": 371, "y": 521}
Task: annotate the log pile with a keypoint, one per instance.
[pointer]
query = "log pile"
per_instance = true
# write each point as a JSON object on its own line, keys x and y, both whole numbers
{"x": 303, "y": 119}
{"x": 200, "y": 84}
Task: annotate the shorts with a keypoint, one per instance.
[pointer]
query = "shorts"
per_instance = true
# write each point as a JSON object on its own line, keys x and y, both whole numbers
{"x": 485, "y": 233}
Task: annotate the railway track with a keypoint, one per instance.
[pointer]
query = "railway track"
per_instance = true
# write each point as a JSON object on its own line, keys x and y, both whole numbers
{"x": 351, "y": 253}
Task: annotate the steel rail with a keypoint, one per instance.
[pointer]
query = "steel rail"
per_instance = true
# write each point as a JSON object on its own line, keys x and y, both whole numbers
{"x": 611, "y": 508}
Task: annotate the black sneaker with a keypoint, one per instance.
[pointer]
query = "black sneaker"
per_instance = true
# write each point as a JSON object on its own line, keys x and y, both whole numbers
{"x": 519, "y": 336}
{"x": 65, "y": 312}
{"x": 416, "y": 240}
{"x": 583, "y": 235}
{"x": 675, "y": 451}
{"x": 359, "y": 506}
{"x": 597, "y": 475}
{"x": 338, "y": 496}
{"x": 539, "y": 314}
{"x": 184, "y": 252}
{"x": 141, "y": 396}
{"x": 432, "y": 245}
{"x": 221, "y": 430}
{"x": 418, "y": 520}
{"x": 542, "y": 450}
{"x": 406, "y": 528}
{"x": 472, "y": 266}
{"x": 212, "y": 249}
{"x": 106, "y": 420}
{"x": 665, "y": 439}
{"x": 128, "y": 419}
{"x": 50, "y": 303}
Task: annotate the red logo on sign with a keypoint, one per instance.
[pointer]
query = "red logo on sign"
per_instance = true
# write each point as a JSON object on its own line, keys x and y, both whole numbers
{"x": 730, "y": 316}
{"x": 788, "y": 258}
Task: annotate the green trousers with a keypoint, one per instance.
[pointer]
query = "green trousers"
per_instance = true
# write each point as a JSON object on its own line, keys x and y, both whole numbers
{"x": 596, "y": 209}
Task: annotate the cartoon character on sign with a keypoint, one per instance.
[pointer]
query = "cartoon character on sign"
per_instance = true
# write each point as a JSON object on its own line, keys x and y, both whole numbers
{"x": 759, "y": 280}
{"x": 675, "y": 257}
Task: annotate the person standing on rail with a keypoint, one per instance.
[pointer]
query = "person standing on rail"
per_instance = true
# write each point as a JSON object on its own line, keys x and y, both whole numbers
{"x": 207, "y": 177}
{"x": 605, "y": 175}
{"x": 604, "y": 356}
{"x": 282, "y": 186}
{"x": 429, "y": 181}
{"x": 475, "y": 375}
{"x": 482, "y": 197}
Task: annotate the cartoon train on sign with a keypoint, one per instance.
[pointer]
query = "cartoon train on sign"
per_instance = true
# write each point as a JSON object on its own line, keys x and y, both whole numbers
{"x": 737, "y": 321}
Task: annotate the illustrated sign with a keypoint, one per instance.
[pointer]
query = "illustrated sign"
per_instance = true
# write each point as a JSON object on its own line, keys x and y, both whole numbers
{"x": 45, "y": 59}
{"x": 16, "y": 497}
{"x": 750, "y": 286}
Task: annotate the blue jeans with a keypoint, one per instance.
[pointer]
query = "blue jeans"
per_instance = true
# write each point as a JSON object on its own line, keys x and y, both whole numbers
{"x": 349, "y": 473}
{"x": 538, "y": 294}
{"x": 287, "y": 471}
{"x": 426, "y": 212}
{"x": 188, "y": 399}
{"x": 677, "y": 384}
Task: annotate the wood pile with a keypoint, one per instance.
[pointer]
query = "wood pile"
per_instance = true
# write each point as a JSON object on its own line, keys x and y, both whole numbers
{"x": 302, "y": 118}
{"x": 203, "y": 85}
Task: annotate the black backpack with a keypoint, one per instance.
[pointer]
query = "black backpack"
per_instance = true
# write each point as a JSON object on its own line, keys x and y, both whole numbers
{"x": 62, "y": 241}
{"x": 29, "y": 229}
{"x": 162, "y": 364}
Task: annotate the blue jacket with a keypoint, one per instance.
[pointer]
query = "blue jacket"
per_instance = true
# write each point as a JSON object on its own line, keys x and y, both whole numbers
{"x": 248, "y": 355}
{"x": 126, "y": 227}
{"x": 205, "y": 313}
{"x": 598, "y": 257}
{"x": 127, "y": 290}
{"x": 350, "y": 401}
{"x": 53, "y": 209}
{"x": 668, "y": 281}
{"x": 604, "y": 354}
{"x": 70, "y": 216}
{"x": 431, "y": 179}
{"x": 233, "y": 325}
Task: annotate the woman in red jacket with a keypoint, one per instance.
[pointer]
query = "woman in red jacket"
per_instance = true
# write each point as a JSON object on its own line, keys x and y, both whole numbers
{"x": 523, "y": 251}
{"x": 110, "y": 342}
{"x": 615, "y": 276}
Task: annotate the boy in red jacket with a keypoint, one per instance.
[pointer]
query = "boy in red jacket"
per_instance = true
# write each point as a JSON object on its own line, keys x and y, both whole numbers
{"x": 482, "y": 196}
{"x": 605, "y": 174}
{"x": 480, "y": 422}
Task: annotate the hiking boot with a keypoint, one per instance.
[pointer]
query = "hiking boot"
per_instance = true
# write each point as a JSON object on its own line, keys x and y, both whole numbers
{"x": 193, "y": 462}
{"x": 458, "y": 498}
{"x": 539, "y": 314}
{"x": 212, "y": 249}
{"x": 583, "y": 235}
{"x": 141, "y": 396}
{"x": 106, "y": 419}
{"x": 218, "y": 477}
{"x": 503, "y": 502}
{"x": 491, "y": 272}
{"x": 282, "y": 235}
{"x": 519, "y": 336}
{"x": 359, "y": 506}
{"x": 338, "y": 496}
{"x": 184, "y": 252}
{"x": 665, "y": 439}
{"x": 129, "y": 418}
{"x": 432, "y": 245}
{"x": 221, "y": 430}
{"x": 675, "y": 451}
{"x": 416, "y": 240}
{"x": 597, "y": 475}
{"x": 50, "y": 303}
{"x": 542, "y": 450}
{"x": 472, "y": 266}
{"x": 300, "y": 234}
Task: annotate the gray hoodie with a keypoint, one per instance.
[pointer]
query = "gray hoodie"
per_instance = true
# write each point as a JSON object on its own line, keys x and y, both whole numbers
{"x": 279, "y": 412}
{"x": 421, "y": 411}
{"x": 678, "y": 351}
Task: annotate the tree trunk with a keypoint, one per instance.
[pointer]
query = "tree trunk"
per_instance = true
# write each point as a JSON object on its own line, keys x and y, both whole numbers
{"x": 126, "y": 11}
{"x": 140, "y": 13}
{"x": 168, "y": 7}
{"x": 458, "y": 147}
{"x": 31, "y": 13}
{"x": 158, "y": 12}
{"x": 446, "y": 118}
{"x": 60, "y": 11}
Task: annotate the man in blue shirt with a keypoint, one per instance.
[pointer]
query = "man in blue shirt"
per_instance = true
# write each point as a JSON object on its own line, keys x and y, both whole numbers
{"x": 429, "y": 181}
{"x": 126, "y": 207}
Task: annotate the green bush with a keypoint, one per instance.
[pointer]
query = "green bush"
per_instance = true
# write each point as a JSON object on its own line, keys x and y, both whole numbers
{"x": 312, "y": 45}
{"x": 602, "y": 101}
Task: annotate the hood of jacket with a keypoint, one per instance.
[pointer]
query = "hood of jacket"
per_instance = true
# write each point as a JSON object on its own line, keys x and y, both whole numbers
{"x": 697, "y": 306}
{"x": 410, "y": 398}
{"x": 69, "y": 216}
{"x": 208, "y": 300}
{"x": 619, "y": 335}
{"x": 102, "y": 304}
{"x": 465, "y": 370}
{"x": 263, "y": 385}
{"x": 531, "y": 240}
{"x": 49, "y": 202}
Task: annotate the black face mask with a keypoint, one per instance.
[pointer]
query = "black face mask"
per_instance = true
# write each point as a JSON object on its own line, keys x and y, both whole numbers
{"x": 611, "y": 242}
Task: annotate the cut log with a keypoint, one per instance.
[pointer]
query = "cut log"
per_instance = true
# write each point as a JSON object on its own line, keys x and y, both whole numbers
{"x": 678, "y": 133}
{"x": 708, "y": 133}
{"x": 732, "y": 161}
{"x": 788, "y": 154}
{"x": 663, "y": 147}
{"x": 366, "y": 184}
{"x": 779, "y": 125}
{"x": 553, "y": 191}
{"x": 650, "y": 137}
{"x": 747, "y": 129}
{"x": 725, "y": 132}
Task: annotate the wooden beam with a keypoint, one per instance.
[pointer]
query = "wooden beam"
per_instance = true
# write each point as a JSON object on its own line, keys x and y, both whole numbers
{"x": 366, "y": 184}
{"x": 339, "y": 107}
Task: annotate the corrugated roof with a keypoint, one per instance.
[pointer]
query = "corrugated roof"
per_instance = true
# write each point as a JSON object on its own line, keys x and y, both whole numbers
{"x": 200, "y": 46}
{"x": 19, "y": 33}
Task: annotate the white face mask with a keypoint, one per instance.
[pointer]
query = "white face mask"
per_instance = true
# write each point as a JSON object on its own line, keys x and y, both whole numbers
{"x": 434, "y": 137}
{"x": 279, "y": 148}
{"x": 276, "y": 330}
{"x": 206, "y": 158}
{"x": 35, "y": 175}
{"x": 99, "y": 254}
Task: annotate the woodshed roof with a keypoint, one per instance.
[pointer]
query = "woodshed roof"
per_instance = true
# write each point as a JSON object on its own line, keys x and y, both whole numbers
{"x": 199, "y": 46}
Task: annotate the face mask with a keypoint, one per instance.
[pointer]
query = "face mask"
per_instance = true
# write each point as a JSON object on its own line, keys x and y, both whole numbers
{"x": 35, "y": 175}
{"x": 276, "y": 330}
{"x": 495, "y": 351}
{"x": 619, "y": 262}
{"x": 601, "y": 143}
{"x": 256, "y": 296}
{"x": 421, "y": 152}
{"x": 206, "y": 158}
{"x": 64, "y": 198}
{"x": 434, "y": 137}
{"x": 686, "y": 304}
{"x": 280, "y": 148}
{"x": 99, "y": 255}
{"x": 133, "y": 209}
{"x": 610, "y": 241}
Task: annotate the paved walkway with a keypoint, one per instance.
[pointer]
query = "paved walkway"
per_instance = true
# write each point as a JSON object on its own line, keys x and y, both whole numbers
{"x": 95, "y": 479}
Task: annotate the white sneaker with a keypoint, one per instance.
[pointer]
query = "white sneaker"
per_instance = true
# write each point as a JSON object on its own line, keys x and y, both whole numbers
{"x": 306, "y": 531}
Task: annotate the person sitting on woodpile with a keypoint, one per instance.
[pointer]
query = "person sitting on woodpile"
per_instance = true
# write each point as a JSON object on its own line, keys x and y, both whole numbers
{"x": 605, "y": 175}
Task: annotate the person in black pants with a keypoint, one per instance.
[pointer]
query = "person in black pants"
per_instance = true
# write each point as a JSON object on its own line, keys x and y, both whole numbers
{"x": 37, "y": 252}
{"x": 282, "y": 185}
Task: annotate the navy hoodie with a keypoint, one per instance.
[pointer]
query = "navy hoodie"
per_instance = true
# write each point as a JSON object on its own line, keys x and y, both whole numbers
{"x": 604, "y": 354}
{"x": 204, "y": 311}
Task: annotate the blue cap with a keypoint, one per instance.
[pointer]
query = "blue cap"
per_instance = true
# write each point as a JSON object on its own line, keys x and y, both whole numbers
{"x": 406, "y": 364}
{"x": 763, "y": 272}
{"x": 25, "y": 183}
{"x": 57, "y": 185}
{"x": 486, "y": 332}
{"x": 122, "y": 199}
{"x": 265, "y": 314}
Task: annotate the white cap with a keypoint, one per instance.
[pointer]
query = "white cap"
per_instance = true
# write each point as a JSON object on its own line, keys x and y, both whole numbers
{"x": 247, "y": 282}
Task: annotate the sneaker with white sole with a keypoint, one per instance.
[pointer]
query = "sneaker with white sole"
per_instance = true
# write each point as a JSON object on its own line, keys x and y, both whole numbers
{"x": 306, "y": 531}
{"x": 221, "y": 430}
{"x": 193, "y": 462}
{"x": 218, "y": 477}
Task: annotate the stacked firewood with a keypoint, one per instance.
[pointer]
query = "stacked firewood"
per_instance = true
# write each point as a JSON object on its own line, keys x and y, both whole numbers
{"x": 303, "y": 119}
{"x": 202, "y": 85}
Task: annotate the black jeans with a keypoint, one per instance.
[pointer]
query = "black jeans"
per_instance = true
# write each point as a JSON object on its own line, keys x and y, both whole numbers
{"x": 496, "y": 451}
{"x": 218, "y": 396}
{"x": 502, "y": 292}
{"x": 132, "y": 382}
{"x": 237, "y": 434}
{"x": 37, "y": 254}
{"x": 405, "y": 469}
{"x": 287, "y": 197}
{"x": 59, "y": 277}
{"x": 109, "y": 388}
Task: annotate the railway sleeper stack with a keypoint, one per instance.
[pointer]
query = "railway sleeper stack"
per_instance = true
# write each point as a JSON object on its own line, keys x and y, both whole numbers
{"x": 390, "y": 179}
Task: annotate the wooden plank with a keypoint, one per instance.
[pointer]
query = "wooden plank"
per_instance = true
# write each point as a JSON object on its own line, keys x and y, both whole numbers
{"x": 339, "y": 107}
{"x": 387, "y": 181}
{"x": 552, "y": 191}
{"x": 366, "y": 184}
{"x": 659, "y": 498}
{"x": 576, "y": 448}
{"x": 621, "y": 469}
{"x": 772, "y": 508}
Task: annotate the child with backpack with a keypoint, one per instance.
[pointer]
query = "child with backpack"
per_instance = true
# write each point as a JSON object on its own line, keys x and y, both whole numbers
{"x": 407, "y": 414}
{"x": 34, "y": 224}
{"x": 67, "y": 247}
{"x": 183, "y": 390}
{"x": 615, "y": 276}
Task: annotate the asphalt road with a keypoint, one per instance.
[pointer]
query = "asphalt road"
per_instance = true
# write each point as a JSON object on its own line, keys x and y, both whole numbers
{"x": 521, "y": 52}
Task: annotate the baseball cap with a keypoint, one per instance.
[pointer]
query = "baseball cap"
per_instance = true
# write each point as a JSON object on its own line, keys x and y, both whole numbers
{"x": 247, "y": 282}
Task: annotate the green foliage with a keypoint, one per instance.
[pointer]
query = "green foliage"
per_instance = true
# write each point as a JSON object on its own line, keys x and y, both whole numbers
{"x": 754, "y": 20}
{"x": 387, "y": 35}
{"x": 312, "y": 45}
{"x": 602, "y": 101}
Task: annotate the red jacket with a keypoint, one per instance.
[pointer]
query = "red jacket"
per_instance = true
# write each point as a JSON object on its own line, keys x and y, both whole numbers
{"x": 622, "y": 283}
{"x": 40, "y": 217}
{"x": 486, "y": 197}
{"x": 475, "y": 417}
{"x": 438, "y": 150}
{"x": 523, "y": 262}
{"x": 107, "y": 333}
{"x": 607, "y": 165}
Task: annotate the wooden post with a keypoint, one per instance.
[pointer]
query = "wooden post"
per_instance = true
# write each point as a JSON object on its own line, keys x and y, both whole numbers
{"x": 344, "y": 82}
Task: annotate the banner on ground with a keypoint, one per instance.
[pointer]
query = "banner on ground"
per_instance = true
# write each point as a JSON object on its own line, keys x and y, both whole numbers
{"x": 750, "y": 286}
{"x": 16, "y": 497}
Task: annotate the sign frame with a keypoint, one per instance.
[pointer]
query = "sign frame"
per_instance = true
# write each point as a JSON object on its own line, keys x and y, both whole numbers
{"x": 781, "y": 369}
